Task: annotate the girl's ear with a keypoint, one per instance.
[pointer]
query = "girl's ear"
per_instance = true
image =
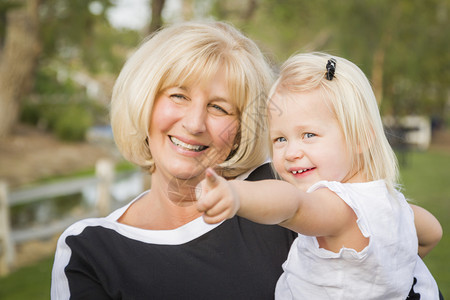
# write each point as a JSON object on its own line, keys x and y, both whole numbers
{"x": 360, "y": 149}
{"x": 367, "y": 141}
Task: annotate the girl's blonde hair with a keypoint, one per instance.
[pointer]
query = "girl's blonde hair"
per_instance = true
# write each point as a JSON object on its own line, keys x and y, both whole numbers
{"x": 351, "y": 98}
{"x": 181, "y": 55}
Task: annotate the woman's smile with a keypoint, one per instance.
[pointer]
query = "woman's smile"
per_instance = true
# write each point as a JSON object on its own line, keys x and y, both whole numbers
{"x": 185, "y": 131}
{"x": 187, "y": 146}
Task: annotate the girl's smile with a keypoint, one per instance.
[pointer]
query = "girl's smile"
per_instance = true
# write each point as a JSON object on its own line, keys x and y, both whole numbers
{"x": 307, "y": 141}
{"x": 298, "y": 172}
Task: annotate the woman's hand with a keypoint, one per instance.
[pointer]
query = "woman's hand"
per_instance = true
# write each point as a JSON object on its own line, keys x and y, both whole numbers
{"x": 217, "y": 198}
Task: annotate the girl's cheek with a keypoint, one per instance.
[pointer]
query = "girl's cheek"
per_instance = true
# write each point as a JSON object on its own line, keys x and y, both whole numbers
{"x": 277, "y": 161}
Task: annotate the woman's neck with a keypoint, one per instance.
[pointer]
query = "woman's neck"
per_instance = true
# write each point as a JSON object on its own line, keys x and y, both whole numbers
{"x": 168, "y": 205}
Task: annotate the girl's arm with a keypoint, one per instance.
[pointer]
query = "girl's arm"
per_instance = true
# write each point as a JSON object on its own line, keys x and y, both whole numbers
{"x": 257, "y": 201}
{"x": 321, "y": 213}
{"x": 429, "y": 230}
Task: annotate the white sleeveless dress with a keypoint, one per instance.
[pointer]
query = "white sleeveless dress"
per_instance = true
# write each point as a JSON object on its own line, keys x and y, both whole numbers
{"x": 385, "y": 269}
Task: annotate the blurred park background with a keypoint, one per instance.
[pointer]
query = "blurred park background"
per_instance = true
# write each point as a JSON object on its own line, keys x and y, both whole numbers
{"x": 59, "y": 60}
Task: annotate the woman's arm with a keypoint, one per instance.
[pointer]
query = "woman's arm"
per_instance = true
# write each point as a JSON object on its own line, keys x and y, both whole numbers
{"x": 429, "y": 230}
{"x": 72, "y": 275}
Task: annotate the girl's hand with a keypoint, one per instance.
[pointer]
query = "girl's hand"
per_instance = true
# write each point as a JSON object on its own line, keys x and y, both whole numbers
{"x": 429, "y": 230}
{"x": 216, "y": 198}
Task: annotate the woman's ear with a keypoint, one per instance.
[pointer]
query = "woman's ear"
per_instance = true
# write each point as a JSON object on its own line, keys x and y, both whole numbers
{"x": 236, "y": 143}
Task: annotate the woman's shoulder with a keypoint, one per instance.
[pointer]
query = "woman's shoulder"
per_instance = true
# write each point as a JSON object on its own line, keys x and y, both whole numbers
{"x": 98, "y": 222}
{"x": 261, "y": 172}
{"x": 79, "y": 227}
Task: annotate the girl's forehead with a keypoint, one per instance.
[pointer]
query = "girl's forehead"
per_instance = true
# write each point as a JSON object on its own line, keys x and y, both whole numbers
{"x": 282, "y": 100}
{"x": 312, "y": 102}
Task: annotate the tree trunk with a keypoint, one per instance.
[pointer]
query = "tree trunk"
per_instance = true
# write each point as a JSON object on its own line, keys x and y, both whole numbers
{"x": 250, "y": 11}
{"x": 18, "y": 61}
{"x": 156, "y": 22}
{"x": 377, "y": 73}
{"x": 187, "y": 10}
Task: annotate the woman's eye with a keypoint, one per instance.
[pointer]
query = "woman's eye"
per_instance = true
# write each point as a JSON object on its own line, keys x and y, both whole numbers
{"x": 219, "y": 109}
{"x": 309, "y": 135}
{"x": 178, "y": 97}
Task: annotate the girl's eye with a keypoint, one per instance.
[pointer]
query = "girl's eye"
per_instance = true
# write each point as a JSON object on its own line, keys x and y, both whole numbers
{"x": 280, "y": 140}
{"x": 309, "y": 135}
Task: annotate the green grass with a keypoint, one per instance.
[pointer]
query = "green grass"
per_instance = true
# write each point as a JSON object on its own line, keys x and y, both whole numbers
{"x": 426, "y": 179}
{"x": 32, "y": 282}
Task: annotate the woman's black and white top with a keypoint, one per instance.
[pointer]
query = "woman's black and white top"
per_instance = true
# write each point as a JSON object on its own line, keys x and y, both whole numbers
{"x": 100, "y": 258}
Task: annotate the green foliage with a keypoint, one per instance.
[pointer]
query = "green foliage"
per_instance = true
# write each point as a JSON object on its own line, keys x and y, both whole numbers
{"x": 69, "y": 120}
{"x": 75, "y": 40}
{"x": 73, "y": 123}
{"x": 47, "y": 84}
{"x": 61, "y": 107}
{"x": 410, "y": 37}
{"x": 74, "y": 35}
{"x": 289, "y": 26}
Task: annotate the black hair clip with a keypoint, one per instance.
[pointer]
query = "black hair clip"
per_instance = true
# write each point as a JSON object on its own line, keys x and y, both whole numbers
{"x": 331, "y": 68}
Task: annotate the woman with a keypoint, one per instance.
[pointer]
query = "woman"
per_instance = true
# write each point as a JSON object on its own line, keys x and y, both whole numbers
{"x": 191, "y": 97}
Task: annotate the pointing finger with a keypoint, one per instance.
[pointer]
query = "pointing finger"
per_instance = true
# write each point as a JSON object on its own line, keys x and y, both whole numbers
{"x": 211, "y": 178}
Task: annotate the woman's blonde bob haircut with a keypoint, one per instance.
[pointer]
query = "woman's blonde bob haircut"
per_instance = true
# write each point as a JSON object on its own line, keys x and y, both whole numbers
{"x": 351, "y": 98}
{"x": 181, "y": 55}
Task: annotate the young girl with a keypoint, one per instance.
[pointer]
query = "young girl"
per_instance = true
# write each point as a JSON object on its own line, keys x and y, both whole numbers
{"x": 357, "y": 234}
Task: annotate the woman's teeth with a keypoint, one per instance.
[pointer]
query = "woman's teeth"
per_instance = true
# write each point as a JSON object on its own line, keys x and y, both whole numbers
{"x": 183, "y": 145}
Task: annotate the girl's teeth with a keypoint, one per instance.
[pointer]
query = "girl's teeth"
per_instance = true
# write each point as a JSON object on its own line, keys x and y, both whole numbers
{"x": 299, "y": 171}
{"x": 184, "y": 145}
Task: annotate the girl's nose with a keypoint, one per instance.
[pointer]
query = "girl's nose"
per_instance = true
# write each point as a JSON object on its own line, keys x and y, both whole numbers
{"x": 293, "y": 151}
{"x": 194, "y": 120}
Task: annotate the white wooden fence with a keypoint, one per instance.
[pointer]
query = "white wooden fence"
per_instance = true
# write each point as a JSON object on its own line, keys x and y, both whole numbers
{"x": 9, "y": 237}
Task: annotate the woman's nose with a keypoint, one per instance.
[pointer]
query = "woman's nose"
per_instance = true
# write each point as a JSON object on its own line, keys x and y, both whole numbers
{"x": 194, "y": 120}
